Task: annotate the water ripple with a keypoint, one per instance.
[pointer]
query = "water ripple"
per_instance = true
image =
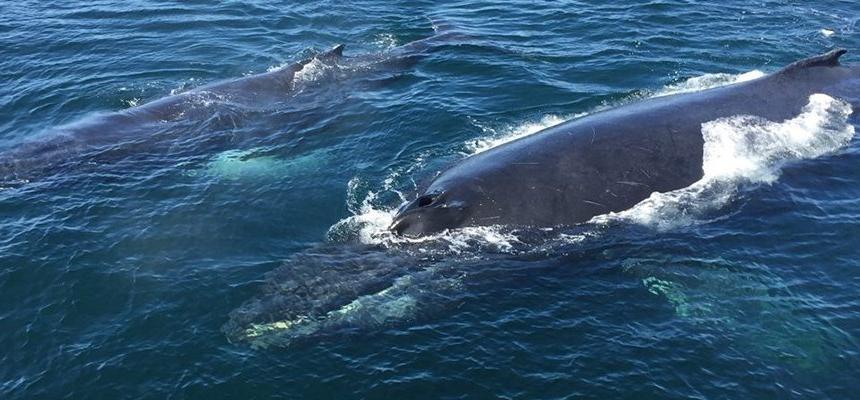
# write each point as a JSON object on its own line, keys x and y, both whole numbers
{"x": 119, "y": 270}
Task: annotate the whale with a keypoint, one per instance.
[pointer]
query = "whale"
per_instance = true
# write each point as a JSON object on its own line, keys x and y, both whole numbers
{"x": 56, "y": 149}
{"x": 40, "y": 155}
{"x": 611, "y": 160}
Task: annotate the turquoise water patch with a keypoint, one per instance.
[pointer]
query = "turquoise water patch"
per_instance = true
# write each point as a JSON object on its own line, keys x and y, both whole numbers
{"x": 751, "y": 303}
{"x": 249, "y": 164}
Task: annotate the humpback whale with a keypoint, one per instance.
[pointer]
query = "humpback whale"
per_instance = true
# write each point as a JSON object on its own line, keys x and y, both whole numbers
{"x": 36, "y": 156}
{"x": 48, "y": 152}
{"x": 611, "y": 160}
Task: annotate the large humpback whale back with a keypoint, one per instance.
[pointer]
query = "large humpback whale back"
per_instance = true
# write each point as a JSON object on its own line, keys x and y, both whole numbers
{"x": 611, "y": 160}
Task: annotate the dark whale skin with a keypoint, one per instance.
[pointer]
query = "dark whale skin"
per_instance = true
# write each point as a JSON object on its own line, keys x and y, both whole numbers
{"x": 610, "y": 160}
{"x": 62, "y": 147}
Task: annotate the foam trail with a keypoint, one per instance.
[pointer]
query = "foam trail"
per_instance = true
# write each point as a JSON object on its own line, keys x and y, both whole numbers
{"x": 742, "y": 150}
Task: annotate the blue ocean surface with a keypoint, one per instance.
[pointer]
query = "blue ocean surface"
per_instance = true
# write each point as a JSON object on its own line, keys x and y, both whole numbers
{"x": 241, "y": 250}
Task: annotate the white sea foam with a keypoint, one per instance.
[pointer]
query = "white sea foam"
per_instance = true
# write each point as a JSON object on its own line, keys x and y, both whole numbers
{"x": 746, "y": 150}
{"x": 498, "y": 137}
{"x": 370, "y": 221}
{"x": 827, "y": 32}
{"x": 311, "y": 72}
{"x": 706, "y": 81}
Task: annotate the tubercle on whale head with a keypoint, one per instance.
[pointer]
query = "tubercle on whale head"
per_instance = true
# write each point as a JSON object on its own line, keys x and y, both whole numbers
{"x": 428, "y": 214}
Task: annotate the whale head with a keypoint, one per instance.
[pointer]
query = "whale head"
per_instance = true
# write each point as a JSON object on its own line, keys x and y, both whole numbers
{"x": 430, "y": 213}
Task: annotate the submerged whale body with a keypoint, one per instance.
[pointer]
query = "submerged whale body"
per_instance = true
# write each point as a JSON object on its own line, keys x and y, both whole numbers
{"x": 611, "y": 160}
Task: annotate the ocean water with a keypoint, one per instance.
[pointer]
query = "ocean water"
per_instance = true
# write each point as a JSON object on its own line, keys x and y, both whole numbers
{"x": 240, "y": 252}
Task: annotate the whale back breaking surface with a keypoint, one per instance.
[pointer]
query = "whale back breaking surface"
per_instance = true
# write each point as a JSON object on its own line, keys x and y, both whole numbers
{"x": 39, "y": 157}
{"x": 66, "y": 146}
{"x": 610, "y": 160}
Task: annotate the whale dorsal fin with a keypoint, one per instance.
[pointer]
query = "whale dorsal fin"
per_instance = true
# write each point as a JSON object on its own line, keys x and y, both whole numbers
{"x": 829, "y": 59}
{"x": 337, "y": 51}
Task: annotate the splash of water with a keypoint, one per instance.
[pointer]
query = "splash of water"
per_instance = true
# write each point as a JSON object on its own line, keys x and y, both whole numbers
{"x": 745, "y": 150}
{"x": 496, "y": 138}
{"x": 313, "y": 71}
{"x": 371, "y": 219}
{"x": 386, "y": 41}
{"x": 706, "y": 81}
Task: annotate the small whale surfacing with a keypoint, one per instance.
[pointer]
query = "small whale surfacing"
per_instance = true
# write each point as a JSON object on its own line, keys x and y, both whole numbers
{"x": 146, "y": 127}
{"x": 136, "y": 124}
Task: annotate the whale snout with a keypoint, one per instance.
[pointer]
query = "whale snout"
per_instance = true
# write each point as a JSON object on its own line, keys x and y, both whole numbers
{"x": 428, "y": 214}
{"x": 411, "y": 225}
